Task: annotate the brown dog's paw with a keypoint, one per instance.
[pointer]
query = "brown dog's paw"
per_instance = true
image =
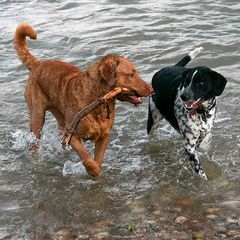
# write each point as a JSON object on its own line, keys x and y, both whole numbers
{"x": 92, "y": 168}
{"x": 34, "y": 147}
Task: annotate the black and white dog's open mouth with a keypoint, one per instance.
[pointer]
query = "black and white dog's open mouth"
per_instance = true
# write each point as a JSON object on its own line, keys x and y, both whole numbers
{"x": 193, "y": 104}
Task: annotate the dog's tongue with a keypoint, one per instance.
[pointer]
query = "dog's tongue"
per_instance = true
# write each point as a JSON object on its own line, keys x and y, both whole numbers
{"x": 135, "y": 100}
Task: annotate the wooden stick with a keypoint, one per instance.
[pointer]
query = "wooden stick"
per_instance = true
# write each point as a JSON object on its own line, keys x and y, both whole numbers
{"x": 85, "y": 111}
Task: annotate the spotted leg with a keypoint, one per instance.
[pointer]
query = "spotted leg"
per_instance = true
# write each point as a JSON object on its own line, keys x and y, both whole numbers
{"x": 154, "y": 117}
{"x": 190, "y": 147}
{"x": 201, "y": 137}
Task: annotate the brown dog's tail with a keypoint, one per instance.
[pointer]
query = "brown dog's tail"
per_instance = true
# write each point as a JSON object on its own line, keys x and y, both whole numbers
{"x": 20, "y": 45}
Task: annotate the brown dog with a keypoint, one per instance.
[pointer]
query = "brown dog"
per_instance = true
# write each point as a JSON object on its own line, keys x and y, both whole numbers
{"x": 64, "y": 90}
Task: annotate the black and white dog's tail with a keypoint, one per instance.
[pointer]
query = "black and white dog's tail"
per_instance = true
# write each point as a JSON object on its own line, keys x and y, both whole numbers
{"x": 154, "y": 115}
{"x": 189, "y": 57}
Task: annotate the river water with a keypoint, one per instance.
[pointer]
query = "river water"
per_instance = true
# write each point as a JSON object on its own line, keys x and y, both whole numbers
{"x": 146, "y": 189}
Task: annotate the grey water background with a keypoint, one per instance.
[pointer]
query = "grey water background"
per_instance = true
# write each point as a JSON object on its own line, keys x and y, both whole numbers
{"x": 145, "y": 183}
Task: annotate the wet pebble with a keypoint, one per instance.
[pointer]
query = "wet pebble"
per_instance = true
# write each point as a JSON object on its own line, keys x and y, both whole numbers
{"x": 232, "y": 233}
{"x": 231, "y": 220}
{"x": 220, "y": 228}
{"x": 162, "y": 219}
{"x": 157, "y": 212}
{"x": 137, "y": 207}
{"x": 181, "y": 219}
{"x": 186, "y": 202}
{"x": 151, "y": 225}
{"x": 172, "y": 235}
{"x": 194, "y": 225}
{"x": 204, "y": 234}
{"x": 223, "y": 236}
{"x": 212, "y": 210}
{"x": 101, "y": 235}
{"x": 212, "y": 216}
{"x": 104, "y": 222}
{"x": 64, "y": 234}
{"x": 83, "y": 237}
{"x": 177, "y": 209}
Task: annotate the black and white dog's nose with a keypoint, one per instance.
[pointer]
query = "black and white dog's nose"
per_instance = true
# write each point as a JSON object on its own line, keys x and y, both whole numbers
{"x": 184, "y": 96}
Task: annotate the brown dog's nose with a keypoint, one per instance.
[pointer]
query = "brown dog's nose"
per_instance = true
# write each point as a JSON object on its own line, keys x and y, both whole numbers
{"x": 150, "y": 89}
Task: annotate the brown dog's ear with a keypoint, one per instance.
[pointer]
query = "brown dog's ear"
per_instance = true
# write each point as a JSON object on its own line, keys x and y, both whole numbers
{"x": 108, "y": 70}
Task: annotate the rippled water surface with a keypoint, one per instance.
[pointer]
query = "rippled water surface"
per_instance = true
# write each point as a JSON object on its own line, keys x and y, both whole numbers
{"x": 146, "y": 184}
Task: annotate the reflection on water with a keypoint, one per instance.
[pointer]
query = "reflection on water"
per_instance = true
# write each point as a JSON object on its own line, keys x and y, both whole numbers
{"x": 147, "y": 189}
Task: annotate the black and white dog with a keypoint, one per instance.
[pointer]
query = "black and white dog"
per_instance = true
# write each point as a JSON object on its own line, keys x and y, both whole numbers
{"x": 186, "y": 98}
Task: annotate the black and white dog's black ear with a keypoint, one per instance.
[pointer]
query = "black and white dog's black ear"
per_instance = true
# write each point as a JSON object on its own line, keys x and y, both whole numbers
{"x": 219, "y": 83}
{"x": 184, "y": 76}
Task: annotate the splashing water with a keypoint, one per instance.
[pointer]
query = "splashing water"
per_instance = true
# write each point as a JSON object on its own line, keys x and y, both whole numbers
{"x": 22, "y": 139}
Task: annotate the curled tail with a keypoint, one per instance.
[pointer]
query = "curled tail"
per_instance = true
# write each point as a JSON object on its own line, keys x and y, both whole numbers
{"x": 190, "y": 56}
{"x": 22, "y": 31}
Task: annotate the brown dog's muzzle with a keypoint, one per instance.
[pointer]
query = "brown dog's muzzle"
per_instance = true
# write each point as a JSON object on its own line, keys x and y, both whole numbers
{"x": 136, "y": 92}
{"x": 142, "y": 88}
{"x": 145, "y": 90}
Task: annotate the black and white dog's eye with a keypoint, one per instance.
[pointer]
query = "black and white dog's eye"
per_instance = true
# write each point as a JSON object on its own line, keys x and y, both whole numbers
{"x": 200, "y": 84}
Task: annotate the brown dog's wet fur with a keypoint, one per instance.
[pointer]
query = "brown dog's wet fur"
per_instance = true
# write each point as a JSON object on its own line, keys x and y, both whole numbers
{"x": 64, "y": 89}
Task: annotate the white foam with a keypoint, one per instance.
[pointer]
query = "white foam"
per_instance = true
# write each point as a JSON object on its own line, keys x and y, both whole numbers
{"x": 73, "y": 168}
{"x": 22, "y": 139}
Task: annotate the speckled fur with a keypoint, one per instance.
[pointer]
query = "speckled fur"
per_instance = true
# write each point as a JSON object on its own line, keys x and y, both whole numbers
{"x": 186, "y": 98}
{"x": 194, "y": 128}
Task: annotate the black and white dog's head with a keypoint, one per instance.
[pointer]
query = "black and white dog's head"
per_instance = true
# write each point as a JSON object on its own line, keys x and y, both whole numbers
{"x": 200, "y": 84}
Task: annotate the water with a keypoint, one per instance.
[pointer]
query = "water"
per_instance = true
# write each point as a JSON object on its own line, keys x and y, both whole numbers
{"x": 145, "y": 183}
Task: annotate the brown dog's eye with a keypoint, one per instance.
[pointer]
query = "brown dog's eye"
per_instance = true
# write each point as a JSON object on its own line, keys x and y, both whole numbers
{"x": 133, "y": 73}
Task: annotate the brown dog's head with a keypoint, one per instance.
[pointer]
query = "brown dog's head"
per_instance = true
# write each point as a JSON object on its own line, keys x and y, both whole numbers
{"x": 118, "y": 71}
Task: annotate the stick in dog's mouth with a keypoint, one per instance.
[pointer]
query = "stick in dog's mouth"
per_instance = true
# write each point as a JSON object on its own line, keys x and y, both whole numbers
{"x": 130, "y": 96}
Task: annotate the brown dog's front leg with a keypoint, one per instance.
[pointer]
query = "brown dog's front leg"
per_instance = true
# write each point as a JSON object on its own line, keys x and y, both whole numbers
{"x": 100, "y": 148}
{"x": 90, "y": 165}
